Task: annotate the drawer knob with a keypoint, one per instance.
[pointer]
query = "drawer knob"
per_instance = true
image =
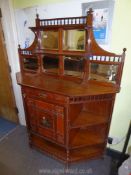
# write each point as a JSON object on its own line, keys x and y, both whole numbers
{"x": 46, "y": 123}
{"x": 43, "y": 95}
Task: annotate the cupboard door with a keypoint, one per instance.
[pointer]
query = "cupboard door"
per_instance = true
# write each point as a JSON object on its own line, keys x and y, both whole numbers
{"x": 46, "y": 124}
{"x": 45, "y": 119}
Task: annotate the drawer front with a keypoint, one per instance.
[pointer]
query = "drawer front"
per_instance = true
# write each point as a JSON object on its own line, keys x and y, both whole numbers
{"x": 49, "y": 107}
{"x": 43, "y": 95}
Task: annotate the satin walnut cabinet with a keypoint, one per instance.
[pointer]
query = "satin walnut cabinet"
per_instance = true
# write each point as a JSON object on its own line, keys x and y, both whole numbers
{"x": 68, "y": 86}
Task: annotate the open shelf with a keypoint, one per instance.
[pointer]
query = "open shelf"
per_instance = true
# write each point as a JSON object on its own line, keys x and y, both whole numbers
{"x": 86, "y": 153}
{"x": 87, "y": 137}
{"x": 86, "y": 119}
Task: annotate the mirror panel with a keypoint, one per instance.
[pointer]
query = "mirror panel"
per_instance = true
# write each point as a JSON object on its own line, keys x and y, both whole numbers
{"x": 30, "y": 64}
{"x": 51, "y": 64}
{"x": 73, "y": 66}
{"x": 102, "y": 72}
{"x": 49, "y": 39}
{"x": 74, "y": 40}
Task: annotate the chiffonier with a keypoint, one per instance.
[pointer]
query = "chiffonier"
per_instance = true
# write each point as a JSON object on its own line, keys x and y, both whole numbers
{"x": 69, "y": 85}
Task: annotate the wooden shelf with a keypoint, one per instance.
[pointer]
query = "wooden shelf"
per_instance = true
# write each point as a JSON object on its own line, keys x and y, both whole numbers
{"x": 84, "y": 138}
{"x": 86, "y": 153}
{"x": 86, "y": 119}
{"x": 64, "y": 52}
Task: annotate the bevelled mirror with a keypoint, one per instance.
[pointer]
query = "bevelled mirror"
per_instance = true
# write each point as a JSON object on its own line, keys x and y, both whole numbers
{"x": 49, "y": 39}
{"x": 74, "y": 40}
{"x": 30, "y": 64}
{"x": 73, "y": 65}
{"x": 51, "y": 64}
{"x": 102, "y": 72}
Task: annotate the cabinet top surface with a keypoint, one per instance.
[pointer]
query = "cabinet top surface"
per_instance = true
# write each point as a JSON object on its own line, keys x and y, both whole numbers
{"x": 63, "y": 87}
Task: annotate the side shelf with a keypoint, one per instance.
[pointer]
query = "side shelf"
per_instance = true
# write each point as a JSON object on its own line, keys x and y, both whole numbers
{"x": 87, "y": 137}
{"x": 86, "y": 119}
{"x": 90, "y": 113}
{"x": 87, "y": 153}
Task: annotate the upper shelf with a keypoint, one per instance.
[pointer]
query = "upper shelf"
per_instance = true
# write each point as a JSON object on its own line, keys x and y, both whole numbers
{"x": 59, "y": 22}
{"x": 66, "y": 34}
{"x": 66, "y": 47}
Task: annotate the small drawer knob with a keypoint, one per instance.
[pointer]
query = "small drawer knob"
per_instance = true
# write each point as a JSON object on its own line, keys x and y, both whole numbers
{"x": 42, "y": 95}
{"x": 45, "y": 122}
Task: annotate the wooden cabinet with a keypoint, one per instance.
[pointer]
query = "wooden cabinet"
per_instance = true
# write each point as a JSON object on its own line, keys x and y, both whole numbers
{"x": 45, "y": 118}
{"x": 68, "y": 89}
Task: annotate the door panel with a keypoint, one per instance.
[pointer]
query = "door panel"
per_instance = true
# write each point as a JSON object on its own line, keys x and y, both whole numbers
{"x": 7, "y": 100}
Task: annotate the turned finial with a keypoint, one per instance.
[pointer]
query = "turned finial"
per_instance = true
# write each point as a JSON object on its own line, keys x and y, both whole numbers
{"x": 37, "y": 16}
{"x": 89, "y": 17}
{"x": 90, "y": 11}
{"x": 124, "y": 50}
{"x": 19, "y": 46}
{"x": 37, "y": 20}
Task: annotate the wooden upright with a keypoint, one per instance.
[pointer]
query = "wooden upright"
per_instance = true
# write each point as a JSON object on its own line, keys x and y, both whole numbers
{"x": 69, "y": 86}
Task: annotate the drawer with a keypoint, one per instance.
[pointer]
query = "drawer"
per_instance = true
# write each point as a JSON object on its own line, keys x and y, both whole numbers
{"x": 44, "y": 95}
{"x": 49, "y": 107}
{"x": 44, "y": 106}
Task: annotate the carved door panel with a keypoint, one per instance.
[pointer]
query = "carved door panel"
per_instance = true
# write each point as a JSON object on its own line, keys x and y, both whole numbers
{"x": 45, "y": 119}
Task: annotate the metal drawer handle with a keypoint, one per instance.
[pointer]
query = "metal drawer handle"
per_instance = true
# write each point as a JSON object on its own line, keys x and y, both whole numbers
{"x": 42, "y": 95}
{"x": 46, "y": 123}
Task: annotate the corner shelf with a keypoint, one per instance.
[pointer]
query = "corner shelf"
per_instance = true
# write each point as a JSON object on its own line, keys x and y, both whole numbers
{"x": 87, "y": 137}
{"x": 86, "y": 119}
{"x": 87, "y": 152}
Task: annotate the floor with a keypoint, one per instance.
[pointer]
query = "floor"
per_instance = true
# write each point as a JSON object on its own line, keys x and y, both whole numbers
{"x": 14, "y": 143}
{"x": 6, "y": 127}
{"x": 30, "y": 161}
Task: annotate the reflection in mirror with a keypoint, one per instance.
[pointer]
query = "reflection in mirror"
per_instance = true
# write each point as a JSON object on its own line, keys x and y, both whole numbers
{"x": 102, "y": 72}
{"x": 74, "y": 40}
{"x": 51, "y": 64}
{"x": 49, "y": 39}
{"x": 30, "y": 63}
{"x": 73, "y": 66}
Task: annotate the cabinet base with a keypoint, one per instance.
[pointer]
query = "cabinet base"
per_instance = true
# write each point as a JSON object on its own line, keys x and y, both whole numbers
{"x": 64, "y": 155}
